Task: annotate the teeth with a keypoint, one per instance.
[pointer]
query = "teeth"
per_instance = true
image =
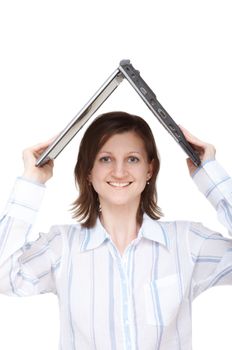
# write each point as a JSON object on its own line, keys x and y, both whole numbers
{"x": 119, "y": 184}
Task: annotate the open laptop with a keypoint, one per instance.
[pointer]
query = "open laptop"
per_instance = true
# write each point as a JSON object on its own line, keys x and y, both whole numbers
{"x": 127, "y": 71}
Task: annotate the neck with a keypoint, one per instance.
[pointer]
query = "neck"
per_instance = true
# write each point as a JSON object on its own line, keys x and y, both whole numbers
{"x": 121, "y": 224}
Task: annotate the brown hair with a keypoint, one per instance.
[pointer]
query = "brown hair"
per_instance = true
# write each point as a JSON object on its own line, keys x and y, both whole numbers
{"x": 86, "y": 206}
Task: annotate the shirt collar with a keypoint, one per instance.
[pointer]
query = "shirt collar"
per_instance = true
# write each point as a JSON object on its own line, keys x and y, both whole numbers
{"x": 154, "y": 230}
{"x": 151, "y": 229}
{"x": 93, "y": 237}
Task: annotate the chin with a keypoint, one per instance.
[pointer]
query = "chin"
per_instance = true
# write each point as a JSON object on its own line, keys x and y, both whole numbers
{"x": 121, "y": 202}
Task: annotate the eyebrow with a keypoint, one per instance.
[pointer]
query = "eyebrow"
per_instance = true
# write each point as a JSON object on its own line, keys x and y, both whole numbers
{"x": 127, "y": 153}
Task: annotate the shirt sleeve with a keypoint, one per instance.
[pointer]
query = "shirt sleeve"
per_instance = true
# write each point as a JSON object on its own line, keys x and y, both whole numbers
{"x": 26, "y": 268}
{"x": 211, "y": 253}
{"x": 216, "y": 185}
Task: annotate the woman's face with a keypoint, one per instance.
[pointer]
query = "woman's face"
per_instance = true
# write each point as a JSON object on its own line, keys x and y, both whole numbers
{"x": 121, "y": 170}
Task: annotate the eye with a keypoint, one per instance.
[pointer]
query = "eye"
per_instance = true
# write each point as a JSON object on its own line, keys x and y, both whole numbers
{"x": 133, "y": 159}
{"x": 105, "y": 159}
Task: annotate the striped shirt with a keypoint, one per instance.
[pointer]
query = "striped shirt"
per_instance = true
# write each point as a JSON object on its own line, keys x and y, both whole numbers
{"x": 138, "y": 301}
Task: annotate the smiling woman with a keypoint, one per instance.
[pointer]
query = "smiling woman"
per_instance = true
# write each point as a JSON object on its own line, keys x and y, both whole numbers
{"x": 124, "y": 279}
{"x": 114, "y": 147}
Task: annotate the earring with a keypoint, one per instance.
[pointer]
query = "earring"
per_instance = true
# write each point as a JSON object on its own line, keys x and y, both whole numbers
{"x": 148, "y": 183}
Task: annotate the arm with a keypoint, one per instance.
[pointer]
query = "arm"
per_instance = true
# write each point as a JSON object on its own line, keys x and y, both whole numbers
{"x": 212, "y": 180}
{"x": 211, "y": 253}
{"x": 21, "y": 273}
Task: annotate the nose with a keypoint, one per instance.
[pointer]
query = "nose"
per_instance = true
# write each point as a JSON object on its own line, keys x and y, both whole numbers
{"x": 119, "y": 169}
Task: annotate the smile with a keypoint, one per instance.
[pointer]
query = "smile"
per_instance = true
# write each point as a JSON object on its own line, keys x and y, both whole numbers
{"x": 119, "y": 184}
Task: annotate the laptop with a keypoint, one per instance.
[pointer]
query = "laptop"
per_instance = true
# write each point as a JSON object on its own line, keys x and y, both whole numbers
{"x": 126, "y": 71}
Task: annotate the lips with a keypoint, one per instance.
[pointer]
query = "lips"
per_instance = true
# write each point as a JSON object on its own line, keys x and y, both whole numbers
{"x": 119, "y": 184}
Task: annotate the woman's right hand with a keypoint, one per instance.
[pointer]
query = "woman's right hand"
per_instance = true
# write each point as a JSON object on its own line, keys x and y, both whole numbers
{"x": 31, "y": 172}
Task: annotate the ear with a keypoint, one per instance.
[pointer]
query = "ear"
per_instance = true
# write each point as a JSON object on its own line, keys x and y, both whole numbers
{"x": 150, "y": 170}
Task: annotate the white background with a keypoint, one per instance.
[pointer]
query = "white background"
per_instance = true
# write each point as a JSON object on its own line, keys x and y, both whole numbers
{"x": 54, "y": 56}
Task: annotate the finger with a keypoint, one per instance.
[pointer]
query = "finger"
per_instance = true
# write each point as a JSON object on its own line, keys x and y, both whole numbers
{"x": 191, "y": 138}
{"x": 204, "y": 149}
{"x": 44, "y": 144}
{"x": 37, "y": 149}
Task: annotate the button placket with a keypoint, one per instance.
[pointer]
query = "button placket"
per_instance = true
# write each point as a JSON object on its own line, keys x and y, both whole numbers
{"x": 126, "y": 292}
{"x": 127, "y": 298}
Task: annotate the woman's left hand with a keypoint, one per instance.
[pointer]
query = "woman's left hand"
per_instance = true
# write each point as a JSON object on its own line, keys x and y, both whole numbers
{"x": 205, "y": 150}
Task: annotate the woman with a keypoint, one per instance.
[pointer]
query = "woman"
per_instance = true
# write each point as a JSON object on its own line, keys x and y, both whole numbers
{"x": 125, "y": 280}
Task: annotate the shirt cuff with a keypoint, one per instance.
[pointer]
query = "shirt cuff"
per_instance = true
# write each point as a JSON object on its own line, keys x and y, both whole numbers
{"x": 25, "y": 200}
{"x": 214, "y": 182}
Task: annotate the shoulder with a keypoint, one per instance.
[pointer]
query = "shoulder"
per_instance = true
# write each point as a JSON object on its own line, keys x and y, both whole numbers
{"x": 167, "y": 232}
{"x": 192, "y": 230}
{"x": 175, "y": 227}
{"x": 60, "y": 238}
{"x": 187, "y": 234}
{"x": 66, "y": 231}
{"x": 186, "y": 227}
